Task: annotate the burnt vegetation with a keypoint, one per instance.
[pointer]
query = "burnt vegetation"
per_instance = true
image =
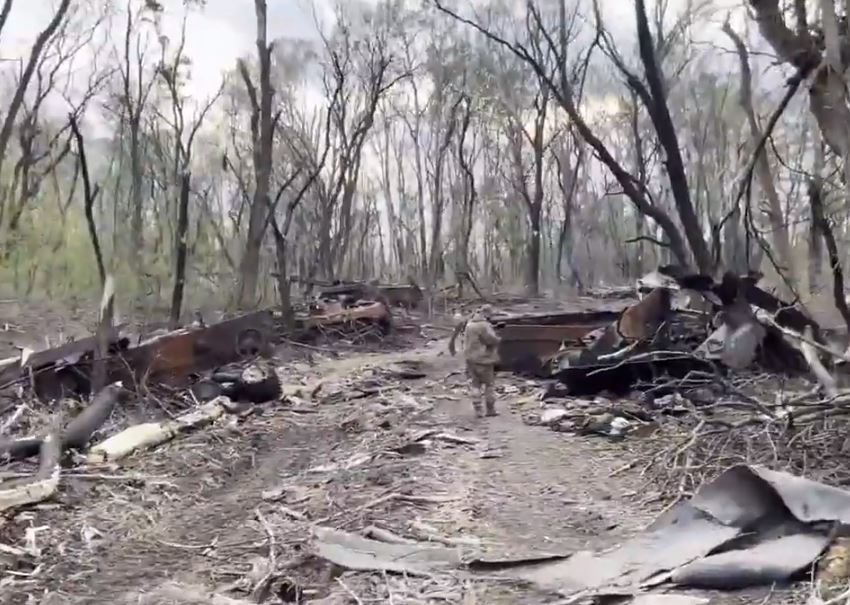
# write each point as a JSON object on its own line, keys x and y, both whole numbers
{"x": 223, "y": 268}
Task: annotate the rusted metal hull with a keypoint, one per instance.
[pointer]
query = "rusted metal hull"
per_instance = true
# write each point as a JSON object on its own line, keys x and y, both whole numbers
{"x": 366, "y": 312}
{"x": 171, "y": 358}
{"x": 529, "y": 342}
{"x": 55, "y": 372}
{"x": 408, "y": 296}
{"x": 393, "y": 295}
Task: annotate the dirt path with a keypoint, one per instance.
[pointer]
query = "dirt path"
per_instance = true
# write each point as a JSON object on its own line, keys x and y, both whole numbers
{"x": 206, "y": 520}
{"x": 534, "y": 489}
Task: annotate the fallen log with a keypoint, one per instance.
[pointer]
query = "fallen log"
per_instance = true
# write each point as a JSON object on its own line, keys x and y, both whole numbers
{"x": 152, "y": 434}
{"x": 80, "y": 429}
{"x": 43, "y": 484}
{"x": 20, "y": 449}
{"x": 78, "y": 432}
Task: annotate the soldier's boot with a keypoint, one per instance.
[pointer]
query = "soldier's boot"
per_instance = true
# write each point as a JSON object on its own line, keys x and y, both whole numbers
{"x": 478, "y": 408}
{"x": 490, "y": 398}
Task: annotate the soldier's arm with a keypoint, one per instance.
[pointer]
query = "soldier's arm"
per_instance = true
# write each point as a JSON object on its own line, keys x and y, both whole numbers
{"x": 458, "y": 329}
{"x": 489, "y": 337}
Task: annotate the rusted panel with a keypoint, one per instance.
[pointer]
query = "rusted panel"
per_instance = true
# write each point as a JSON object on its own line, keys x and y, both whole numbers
{"x": 61, "y": 370}
{"x": 542, "y": 341}
{"x": 581, "y": 318}
{"x": 393, "y": 295}
{"x": 404, "y": 295}
{"x": 529, "y": 342}
{"x": 171, "y": 357}
{"x": 337, "y": 314}
{"x": 70, "y": 351}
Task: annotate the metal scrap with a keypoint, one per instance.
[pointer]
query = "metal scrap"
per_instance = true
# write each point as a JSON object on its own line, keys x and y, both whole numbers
{"x": 393, "y": 295}
{"x": 172, "y": 357}
{"x": 169, "y": 358}
{"x": 749, "y": 527}
{"x": 531, "y": 341}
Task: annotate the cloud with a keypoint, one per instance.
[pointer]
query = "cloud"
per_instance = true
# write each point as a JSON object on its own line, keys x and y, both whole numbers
{"x": 215, "y": 36}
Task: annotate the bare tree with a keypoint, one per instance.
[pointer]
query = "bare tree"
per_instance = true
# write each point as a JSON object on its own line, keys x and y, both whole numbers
{"x": 361, "y": 71}
{"x": 774, "y": 212}
{"x": 32, "y": 63}
{"x": 132, "y": 98}
{"x": 560, "y": 82}
{"x": 183, "y": 136}
{"x": 262, "y": 137}
{"x": 652, "y": 93}
{"x": 40, "y": 148}
{"x": 568, "y": 170}
{"x": 466, "y": 156}
{"x": 4, "y": 13}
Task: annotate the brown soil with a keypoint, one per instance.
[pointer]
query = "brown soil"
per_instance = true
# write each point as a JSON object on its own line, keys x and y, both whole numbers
{"x": 198, "y": 514}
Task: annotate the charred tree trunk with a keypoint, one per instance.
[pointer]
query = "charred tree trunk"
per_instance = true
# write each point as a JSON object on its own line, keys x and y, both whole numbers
{"x": 181, "y": 246}
{"x": 262, "y": 129}
{"x": 564, "y": 93}
{"x": 470, "y": 197}
{"x": 535, "y": 208}
{"x": 435, "y": 263}
{"x": 534, "y": 255}
{"x": 136, "y": 198}
{"x": 283, "y": 286}
{"x": 815, "y": 243}
{"x": 660, "y": 114}
{"x": 815, "y": 192}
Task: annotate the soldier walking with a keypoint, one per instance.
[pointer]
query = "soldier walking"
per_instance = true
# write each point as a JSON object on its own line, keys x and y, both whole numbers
{"x": 481, "y": 352}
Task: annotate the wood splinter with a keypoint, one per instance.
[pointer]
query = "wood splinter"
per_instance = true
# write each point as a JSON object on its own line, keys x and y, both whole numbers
{"x": 43, "y": 484}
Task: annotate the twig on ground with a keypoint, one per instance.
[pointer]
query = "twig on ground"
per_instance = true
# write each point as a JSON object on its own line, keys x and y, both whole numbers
{"x": 10, "y": 422}
{"x": 349, "y": 591}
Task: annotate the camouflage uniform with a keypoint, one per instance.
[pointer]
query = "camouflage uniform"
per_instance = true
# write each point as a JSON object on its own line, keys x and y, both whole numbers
{"x": 481, "y": 353}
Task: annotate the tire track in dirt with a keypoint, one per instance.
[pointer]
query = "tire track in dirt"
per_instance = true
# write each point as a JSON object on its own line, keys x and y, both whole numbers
{"x": 546, "y": 491}
{"x": 140, "y": 558}
{"x": 147, "y": 538}
{"x": 139, "y": 551}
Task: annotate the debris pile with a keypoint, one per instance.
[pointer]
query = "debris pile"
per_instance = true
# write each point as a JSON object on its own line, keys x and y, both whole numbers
{"x": 742, "y": 328}
{"x": 351, "y": 471}
{"x": 751, "y": 380}
{"x": 176, "y": 358}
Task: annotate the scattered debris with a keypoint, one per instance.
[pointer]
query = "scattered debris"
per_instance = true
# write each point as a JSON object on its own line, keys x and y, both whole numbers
{"x": 787, "y": 521}
{"x": 170, "y": 358}
{"x": 351, "y": 551}
{"x": 78, "y": 432}
{"x": 351, "y": 468}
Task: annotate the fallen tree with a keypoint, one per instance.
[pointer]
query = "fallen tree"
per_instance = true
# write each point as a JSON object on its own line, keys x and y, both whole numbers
{"x": 151, "y": 434}
{"x": 78, "y": 432}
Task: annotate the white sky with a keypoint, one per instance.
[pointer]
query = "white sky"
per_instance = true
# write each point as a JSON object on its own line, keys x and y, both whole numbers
{"x": 216, "y": 36}
{"x": 225, "y": 29}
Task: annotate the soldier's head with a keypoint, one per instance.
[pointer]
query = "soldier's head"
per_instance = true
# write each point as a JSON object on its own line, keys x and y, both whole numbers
{"x": 486, "y": 311}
